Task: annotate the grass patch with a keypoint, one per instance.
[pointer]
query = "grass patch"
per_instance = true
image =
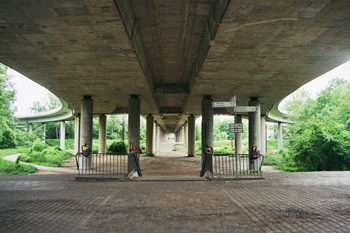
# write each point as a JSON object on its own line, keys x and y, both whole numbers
{"x": 12, "y": 151}
{"x": 11, "y": 168}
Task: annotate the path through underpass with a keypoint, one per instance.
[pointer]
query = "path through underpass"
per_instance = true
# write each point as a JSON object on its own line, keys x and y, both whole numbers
{"x": 170, "y": 163}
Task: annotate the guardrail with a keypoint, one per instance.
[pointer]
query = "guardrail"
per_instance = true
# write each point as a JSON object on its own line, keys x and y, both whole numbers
{"x": 102, "y": 164}
{"x": 227, "y": 165}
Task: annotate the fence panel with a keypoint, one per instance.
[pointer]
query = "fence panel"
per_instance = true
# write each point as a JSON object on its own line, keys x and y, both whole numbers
{"x": 102, "y": 164}
{"x": 228, "y": 166}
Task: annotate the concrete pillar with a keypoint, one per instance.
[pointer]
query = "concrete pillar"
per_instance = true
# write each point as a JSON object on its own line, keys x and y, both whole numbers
{"x": 183, "y": 134}
{"x": 30, "y": 129}
{"x": 155, "y": 136}
{"x": 158, "y": 135}
{"x": 254, "y": 124}
{"x": 44, "y": 133}
{"x": 263, "y": 135}
{"x": 134, "y": 120}
{"x": 149, "y": 135}
{"x": 86, "y": 121}
{"x": 191, "y": 136}
{"x": 86, "y": 129}
{"x": 76, "y": 134}
{"x": 102, "y": 134}
{"x": 254, "y": 129}
{"x": 186, "y": 135}
{"x": 280, "y": 136}
{"x": 239, "y": 137}
{"x": 63, "y": 135}
{"x": 207, "y": 122}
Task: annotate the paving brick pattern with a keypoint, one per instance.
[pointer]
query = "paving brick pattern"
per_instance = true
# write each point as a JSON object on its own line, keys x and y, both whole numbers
{"x": 282, "y": 202}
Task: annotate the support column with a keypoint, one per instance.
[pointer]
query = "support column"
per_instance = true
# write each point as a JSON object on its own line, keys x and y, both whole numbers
{"x": 254, "y": 124}
{"x": 30, "y": 129}
{"x": 239, "y": 137}
{"x": 191, "y": 136}
{"x": 186, "y": 135}
{"x": 155, "y": 136}
{"x": 207, "y": 122}
{"x": 183, "y": 134}
{"x": 149, "y": 135}
{"x": 102, "y": 134}
{"x": 76, "y": 134}
{"x": 254, "y": 129}
{"x": 134, "y": 120}
{"x": 158, "y": 135}
{"x": 280, "y": 136}
{"x": 86, "y": 128}
{"x": 44, "y": 133}
{"x": 63, "y": 135}
{"x": 263, "y": 135}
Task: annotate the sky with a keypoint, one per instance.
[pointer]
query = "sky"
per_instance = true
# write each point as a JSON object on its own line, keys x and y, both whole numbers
{"x": 29, "y": 91}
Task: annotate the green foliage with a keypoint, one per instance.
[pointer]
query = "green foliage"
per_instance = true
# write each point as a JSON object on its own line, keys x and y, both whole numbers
{"x": 7, "y": 139}
{"x": 52, "y": 103}
{"x": 118, "y": 147}
{"x": 23, "y": 139}
{"x": 38, "y": 146}
{"x": 321, "y": 136}
{"x": 7, "y": 96}
{"x": 11, "y": 168}
{"x": 41, "y": 154}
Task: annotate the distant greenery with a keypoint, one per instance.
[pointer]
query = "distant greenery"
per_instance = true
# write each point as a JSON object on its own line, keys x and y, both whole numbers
{"x": 42, "y": 154}
{"x": 321, "y": 135}
{"x": 117, "y": 147}
{"x": 7, "y": 126}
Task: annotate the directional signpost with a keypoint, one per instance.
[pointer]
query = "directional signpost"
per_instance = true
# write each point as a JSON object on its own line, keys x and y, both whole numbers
{"x": 235, "y": 128}
{"x": 246, "y": 109}
{"x": 222, "y": 105}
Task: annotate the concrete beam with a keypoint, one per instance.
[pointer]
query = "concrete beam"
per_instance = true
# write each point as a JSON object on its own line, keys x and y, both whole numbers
{"x": 171, "y": 89}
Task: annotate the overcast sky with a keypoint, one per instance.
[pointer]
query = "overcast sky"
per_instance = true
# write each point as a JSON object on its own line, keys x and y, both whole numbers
{"x": 29, "y": 91}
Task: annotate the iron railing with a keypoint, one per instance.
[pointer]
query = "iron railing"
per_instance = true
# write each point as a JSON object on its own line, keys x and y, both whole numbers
{"x": 227, "y": 165}
{"x": 102, "y": 164}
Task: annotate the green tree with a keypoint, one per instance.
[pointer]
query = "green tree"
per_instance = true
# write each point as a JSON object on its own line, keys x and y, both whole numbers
{"x": 7, "y": 96}
{"x": 321, "y": 134}
{"x": 52, "y": 103}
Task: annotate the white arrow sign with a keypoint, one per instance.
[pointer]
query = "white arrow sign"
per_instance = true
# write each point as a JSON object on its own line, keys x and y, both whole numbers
{"x": 246, "y": 109}
{"x": 222, "y": 104}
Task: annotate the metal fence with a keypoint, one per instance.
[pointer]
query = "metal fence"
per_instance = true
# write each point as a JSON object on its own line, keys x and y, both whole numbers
{"x": 102, "y": 164}
{"x": 228, "y": 166}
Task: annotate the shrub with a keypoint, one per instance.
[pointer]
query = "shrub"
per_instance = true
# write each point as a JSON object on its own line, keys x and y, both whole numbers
{"x": 7, "y": 139}
{"x": 46, "y": 156}
{"x": 39, "y": 146}
{"x": 10, "y": 168}
{"x": 118, "y": 147}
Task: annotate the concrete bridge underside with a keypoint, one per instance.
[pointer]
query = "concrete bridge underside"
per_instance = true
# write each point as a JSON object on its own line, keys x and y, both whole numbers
{"x": 172, "y": 53}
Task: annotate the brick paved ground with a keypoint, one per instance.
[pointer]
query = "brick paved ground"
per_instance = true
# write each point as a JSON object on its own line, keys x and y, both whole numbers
{"x": 283, "y": 202}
